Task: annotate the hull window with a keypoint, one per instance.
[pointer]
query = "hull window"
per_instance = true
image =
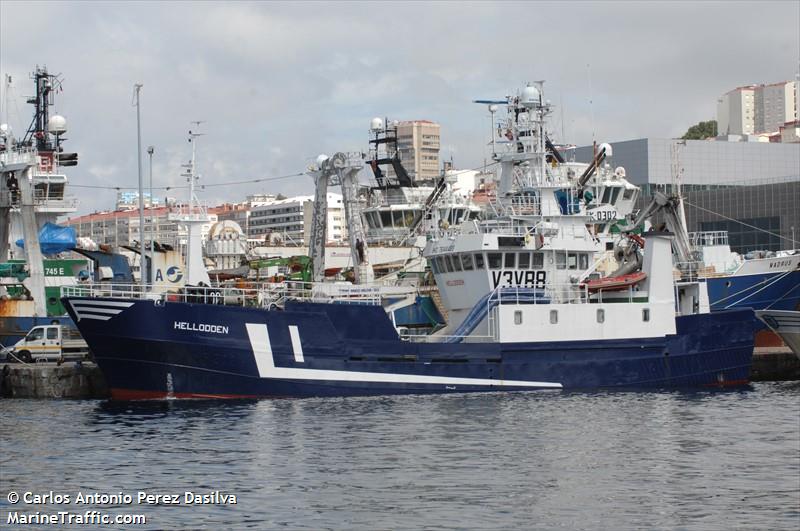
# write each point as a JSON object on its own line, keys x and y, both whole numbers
{"x": 553, "y": 316}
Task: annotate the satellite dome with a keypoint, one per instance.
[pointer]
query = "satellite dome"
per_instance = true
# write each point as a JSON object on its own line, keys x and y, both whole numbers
{"x": 530, "y": 96}
{"x": 376, "y": 124}
{"x": 4, "y": 130}
{"x": 321, "y": 159}
{"x": 57, "y": 124}
{"x": 607, "y": 147}
{"x": 493, "y": 108}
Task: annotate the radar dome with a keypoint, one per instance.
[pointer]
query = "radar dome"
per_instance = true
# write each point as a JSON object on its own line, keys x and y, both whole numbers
{"x": 530, "y": 96}
{"x": 4, "y": 130}
{"x": 376, "y": 124}
{"x": 57, "y": 124}
{"x": 607, "y": 147}
{"x": 321, "y": 160}
{"x": 493, "y": 108}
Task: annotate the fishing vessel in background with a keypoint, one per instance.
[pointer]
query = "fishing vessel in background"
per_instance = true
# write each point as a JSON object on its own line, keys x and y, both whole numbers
{"x": 33, "y": 195}
{"x": 784, "y": 323}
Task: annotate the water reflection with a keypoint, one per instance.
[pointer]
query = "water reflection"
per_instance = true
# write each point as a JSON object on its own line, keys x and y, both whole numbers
{"x": 693, "y": 460}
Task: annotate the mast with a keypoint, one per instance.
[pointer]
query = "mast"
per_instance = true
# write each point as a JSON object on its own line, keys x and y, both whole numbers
{"x": 193, "y": 216}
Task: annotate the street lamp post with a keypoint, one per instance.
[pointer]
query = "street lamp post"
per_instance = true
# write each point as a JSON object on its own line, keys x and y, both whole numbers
{"x": 142, "y": 265}
{"x": 150, "y": 151}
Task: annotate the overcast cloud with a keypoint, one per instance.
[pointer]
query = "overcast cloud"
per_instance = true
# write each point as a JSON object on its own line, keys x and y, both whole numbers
{"x": 278, "y": 83}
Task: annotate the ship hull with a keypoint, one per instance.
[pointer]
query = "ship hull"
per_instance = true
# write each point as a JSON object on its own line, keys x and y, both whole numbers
{"x": 778, "y": 290}
{"x": 184, "y": 350}
{"x": 759, "y": 291}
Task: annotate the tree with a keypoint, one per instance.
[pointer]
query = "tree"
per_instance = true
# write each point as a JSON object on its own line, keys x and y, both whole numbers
{"x": 701, "y": 131}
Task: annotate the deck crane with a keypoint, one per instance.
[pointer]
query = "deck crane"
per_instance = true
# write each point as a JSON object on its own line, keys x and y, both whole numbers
{"x": 341, "y": 169}
{"x": 669, "y": 206}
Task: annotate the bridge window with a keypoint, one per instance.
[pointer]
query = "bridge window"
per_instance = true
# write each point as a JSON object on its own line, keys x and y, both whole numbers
{"x": 628, "y": 193}
{"x": 584, "y": 261}
{"x": 386, "y": 218}
{"x": 518, "y": 317}
{"x": 553, "y": 316}
{"x": 572, "y": 261}
{"x": 511, "y": 260}
{"x": 524, "y": 260}
{"x": 434, "y": 267}
{"x": 456, "y": 263}
{"x": 495, "y": 260}
{"x": 478, "y": 260}
{"x": 538, "y": 261}
{"x": 466, "y": 262}
{"x": 561, "y": 260}
{"x": 615, "y": 196}
{"x": 601, "y": 316}
{"x": 448, "y": 263}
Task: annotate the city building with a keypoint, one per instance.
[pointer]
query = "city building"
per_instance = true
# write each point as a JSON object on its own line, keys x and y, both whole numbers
{"x": 736, "y": 112}
{"x": 121, "y": 227}
{"x": 775, "y": 105}
{"x": 790, "y": 132}
{"x": 418, "y": 144}
{"x": 738, "y": 185}
{"x": 240, "y": 212}
{"x": 288, "y": 221}
{"x": 757, "y": 109}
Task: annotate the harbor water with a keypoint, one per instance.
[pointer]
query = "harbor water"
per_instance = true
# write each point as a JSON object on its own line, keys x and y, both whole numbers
{"x": 538, "y": 460}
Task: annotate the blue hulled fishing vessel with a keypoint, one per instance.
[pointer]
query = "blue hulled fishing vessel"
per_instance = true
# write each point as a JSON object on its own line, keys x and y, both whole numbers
{"x": 525, "y": 309}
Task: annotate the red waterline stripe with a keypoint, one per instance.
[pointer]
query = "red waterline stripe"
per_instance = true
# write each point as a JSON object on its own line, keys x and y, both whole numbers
{"x": 135, "y": 394}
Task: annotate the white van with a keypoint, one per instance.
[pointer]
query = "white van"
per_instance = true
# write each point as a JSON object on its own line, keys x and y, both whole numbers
{"x": 51, "y": 343}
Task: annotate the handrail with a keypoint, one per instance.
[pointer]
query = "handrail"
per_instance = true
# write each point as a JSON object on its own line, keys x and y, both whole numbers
{"x": 261, "y": 295}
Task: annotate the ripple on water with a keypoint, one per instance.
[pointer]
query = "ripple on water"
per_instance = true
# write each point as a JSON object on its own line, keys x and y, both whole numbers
{"x": 684, "y": 460}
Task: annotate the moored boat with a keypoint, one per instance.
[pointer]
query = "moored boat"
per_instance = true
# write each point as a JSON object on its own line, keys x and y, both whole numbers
{"x": 784, "y": 323}
{"x": 521, "y": 316}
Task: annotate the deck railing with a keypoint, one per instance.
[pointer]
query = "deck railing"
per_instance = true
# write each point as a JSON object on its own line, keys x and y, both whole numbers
{"x": 248, "y": 294}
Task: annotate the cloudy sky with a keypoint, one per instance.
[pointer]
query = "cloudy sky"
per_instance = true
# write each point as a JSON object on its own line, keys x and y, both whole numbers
{"x": 278, "y": 83}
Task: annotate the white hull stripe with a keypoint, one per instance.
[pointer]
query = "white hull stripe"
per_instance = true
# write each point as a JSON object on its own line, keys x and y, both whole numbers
{"x": 98, "y": 309}
{"x": 262, "y": 350}
{"x": 102, "y": 303}
{"x": 297, "y": 347}
{"x": 82, "y": 316}
{"x": 81, "y": 308}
